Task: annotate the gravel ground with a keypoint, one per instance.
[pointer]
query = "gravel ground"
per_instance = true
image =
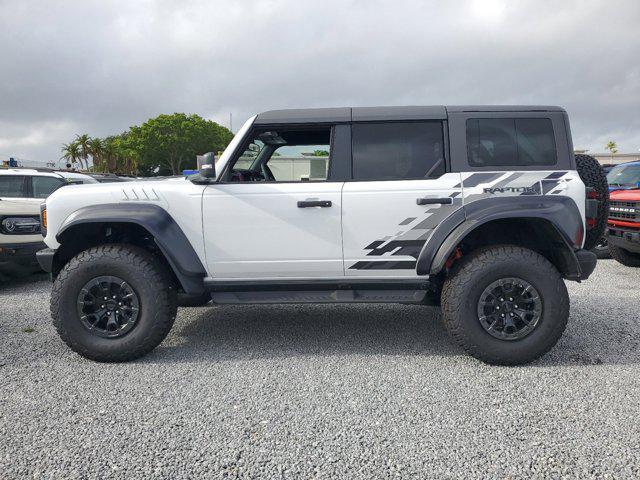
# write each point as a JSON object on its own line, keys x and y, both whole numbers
{"x": 350, "y": 391}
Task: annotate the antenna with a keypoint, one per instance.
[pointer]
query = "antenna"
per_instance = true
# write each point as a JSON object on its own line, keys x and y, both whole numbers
{"x": 231, "y": 121}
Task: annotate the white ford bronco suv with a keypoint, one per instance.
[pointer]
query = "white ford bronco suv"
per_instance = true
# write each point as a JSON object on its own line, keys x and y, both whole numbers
{"x": 483, "y": 210}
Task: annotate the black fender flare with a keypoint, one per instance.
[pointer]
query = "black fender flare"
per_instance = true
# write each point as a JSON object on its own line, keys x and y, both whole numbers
{"x": 167, "y": 234}
{"x": 561, "y": 212}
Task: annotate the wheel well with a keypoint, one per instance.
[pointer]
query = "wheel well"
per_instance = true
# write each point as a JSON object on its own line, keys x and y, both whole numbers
{"x": 78, "y": 238}
{"x": 536, "y": 234}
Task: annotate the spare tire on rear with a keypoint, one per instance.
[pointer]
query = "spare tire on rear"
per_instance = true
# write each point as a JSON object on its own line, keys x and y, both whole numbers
{"x": 594, "y": 177}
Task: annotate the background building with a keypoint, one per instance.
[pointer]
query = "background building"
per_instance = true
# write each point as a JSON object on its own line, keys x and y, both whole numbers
{"x": 612, "y": 158}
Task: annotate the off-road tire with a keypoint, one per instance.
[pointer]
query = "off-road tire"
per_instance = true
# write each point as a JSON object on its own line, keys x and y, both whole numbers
{"x": 150, "y": 280}
{"x": 473, "y": 273}
{"x": 625, "y": 257}
{"x": 593, "y": 176}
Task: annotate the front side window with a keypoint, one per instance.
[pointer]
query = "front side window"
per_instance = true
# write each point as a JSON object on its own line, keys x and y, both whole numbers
{"x": 514, "y": 142}
{"x": 397, "y": 150}
{"x": 285, "y": 155}
{"x": 12, "y": 186}
{"x": 44, "y": 186}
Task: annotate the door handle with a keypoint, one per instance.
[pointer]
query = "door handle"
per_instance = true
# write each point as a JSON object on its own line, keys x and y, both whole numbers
{"x": 430, "y": 201}
{"x": 314, "y": 203}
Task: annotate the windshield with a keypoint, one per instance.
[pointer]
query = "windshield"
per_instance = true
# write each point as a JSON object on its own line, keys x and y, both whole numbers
{"x": 224, "y": 158}
{"x": 624, "y": 175}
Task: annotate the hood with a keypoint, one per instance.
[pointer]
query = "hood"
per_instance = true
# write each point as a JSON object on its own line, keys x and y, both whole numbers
{"x": 625, "y": 195}
{"x": 20, "y": 206}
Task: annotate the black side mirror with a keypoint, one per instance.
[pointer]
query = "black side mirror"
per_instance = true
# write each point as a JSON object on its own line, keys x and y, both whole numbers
{"x": 207, "y": 165}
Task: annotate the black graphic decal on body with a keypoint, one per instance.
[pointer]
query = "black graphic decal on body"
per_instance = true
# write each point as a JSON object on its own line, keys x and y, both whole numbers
{"x": 407, "y": 243}
{"x": 386, "y": 265}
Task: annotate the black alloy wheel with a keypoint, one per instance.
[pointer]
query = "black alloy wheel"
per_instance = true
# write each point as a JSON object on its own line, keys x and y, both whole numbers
{"x": 509, "y": 308}
{"x": 108, "y": 306}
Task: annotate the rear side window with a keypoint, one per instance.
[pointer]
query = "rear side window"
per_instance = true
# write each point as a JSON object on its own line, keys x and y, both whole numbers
{"x": 397, "y": 151}
{"x": 44, "y": 186}
{"x": 12, "y": 186}
{"x": 510, "y": 142}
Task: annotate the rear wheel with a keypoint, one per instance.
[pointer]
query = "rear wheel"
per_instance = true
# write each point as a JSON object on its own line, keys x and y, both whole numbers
{"x": 113, "y": 303}
{"x": 505, "y": 305}
{"x": 625, "y": 257}
{"x": 593, "y": 176}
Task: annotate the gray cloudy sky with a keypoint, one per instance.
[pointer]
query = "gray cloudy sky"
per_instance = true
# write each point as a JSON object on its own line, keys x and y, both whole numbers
{"x": 98, "y": 66}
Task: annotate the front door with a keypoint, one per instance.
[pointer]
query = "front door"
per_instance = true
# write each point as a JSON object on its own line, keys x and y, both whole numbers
{"x": 276, "y": 214}
{"x": 399, "y": 194}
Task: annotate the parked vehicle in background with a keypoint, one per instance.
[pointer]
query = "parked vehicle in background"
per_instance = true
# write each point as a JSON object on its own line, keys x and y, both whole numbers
{"x": 625, "y": 176}
{"x": 602, "y": 246}
{"x": 482, "y": 209}
{"x": 607, "y": 167}
{"x": 624, "y": 215}
{"x": 76, "y": 177}
{"x": 110, "y": 178}
{"x": 22, "y": 190}
{"x": 20, "y": 236}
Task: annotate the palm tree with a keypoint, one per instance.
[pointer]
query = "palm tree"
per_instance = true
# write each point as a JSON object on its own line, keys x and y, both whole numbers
{"x": 612, "y": 147}
{"x": 110, "y": 155}
{"x": 71, "y": 152}
{"x": 83, "y": 142}
{"x": 96, "y": 149}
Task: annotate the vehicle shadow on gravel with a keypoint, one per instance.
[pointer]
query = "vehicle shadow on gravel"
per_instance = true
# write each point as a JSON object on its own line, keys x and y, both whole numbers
{"x": 12, "y": 282}
{"x": 271, "y": 331}
{"x": 266, "y": 331}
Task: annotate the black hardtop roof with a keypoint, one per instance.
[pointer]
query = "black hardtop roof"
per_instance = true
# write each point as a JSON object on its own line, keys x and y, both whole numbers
{"x": 371, "y": 114}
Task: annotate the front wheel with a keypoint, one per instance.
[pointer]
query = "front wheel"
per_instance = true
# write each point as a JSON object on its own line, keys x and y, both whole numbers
{"x": 113, "y": 303}
{"x": 505, "y": 305}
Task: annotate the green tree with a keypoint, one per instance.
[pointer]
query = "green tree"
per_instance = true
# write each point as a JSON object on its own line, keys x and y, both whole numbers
{"x": 71, "y": 152}
{"x": 612, "y": 147}
{"x": 83, "y": 142}
{"x": 170, "y": 143}
{"x": 160, "y": 146}
{"x": 96, "y": 148}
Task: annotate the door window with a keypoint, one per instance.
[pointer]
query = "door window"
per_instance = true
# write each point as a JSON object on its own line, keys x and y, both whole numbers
{"x": 285, "y": 155}
{"x": 397, "y": 150}
{"x": 44, "y": 186}
{"x": 12, "y": 186}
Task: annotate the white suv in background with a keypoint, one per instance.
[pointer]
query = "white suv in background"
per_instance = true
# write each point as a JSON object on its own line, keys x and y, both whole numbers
{"x": 21, "y": 193}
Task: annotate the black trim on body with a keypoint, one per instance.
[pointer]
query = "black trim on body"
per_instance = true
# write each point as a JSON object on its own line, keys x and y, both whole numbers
{"x": 458, "y": 136}
{"x": 560, "y": 211}
{"x": 169, "y": 237}
{"x": 346, "y": 283}
{"x": 587, "y": 261}
{"x": 304, "y": 115}
{"x": 45, "y": 258}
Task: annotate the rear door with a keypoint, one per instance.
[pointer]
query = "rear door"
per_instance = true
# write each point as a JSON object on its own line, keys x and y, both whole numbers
{"x": 399, "y": 193}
